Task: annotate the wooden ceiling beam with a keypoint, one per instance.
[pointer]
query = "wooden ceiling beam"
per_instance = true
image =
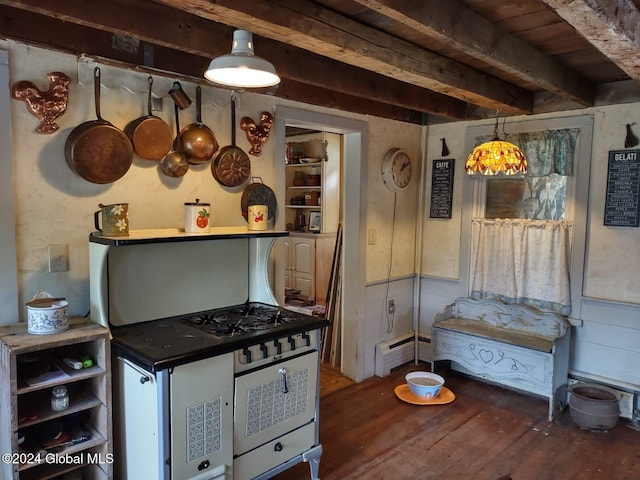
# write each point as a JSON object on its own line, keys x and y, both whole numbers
{"x": 305, "y": 93}
{"x": 612, "y": 26}
{"x": 173, "y": 29}
{"x": 452, "y": 24}
{"x": 326, "y": 33}
{"x": 80, "y": 39}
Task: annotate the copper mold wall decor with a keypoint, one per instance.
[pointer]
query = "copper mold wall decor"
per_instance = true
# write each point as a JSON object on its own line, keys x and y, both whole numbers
{"x": 257, "y": 135}
{"x": 47, "y": 106}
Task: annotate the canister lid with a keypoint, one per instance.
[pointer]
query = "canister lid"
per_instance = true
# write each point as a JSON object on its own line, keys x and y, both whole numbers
{"x": 197, "y": 203}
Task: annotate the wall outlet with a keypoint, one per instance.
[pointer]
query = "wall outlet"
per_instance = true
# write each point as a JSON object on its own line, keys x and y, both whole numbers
{"x": 391, "y": 307}
{"x": 58, "y": 258}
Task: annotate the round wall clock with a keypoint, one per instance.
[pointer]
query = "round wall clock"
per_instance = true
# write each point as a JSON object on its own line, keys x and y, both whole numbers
{"x": 397, "y": 169}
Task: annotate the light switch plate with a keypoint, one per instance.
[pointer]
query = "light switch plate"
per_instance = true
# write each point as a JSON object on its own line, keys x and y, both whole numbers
{"x": 58, "y": 258}
{"x": 371, "y": 236}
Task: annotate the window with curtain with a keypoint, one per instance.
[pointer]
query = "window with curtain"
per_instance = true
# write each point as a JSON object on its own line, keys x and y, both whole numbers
{"x": 541, "y": 193}
{"x": 522, "y": 243}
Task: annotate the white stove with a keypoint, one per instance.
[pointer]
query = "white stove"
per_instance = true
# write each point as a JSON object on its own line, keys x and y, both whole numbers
{"x": 212, "y": 380}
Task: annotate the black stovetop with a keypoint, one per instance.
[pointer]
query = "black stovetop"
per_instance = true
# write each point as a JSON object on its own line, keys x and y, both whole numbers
{"x": 169, "y": 342}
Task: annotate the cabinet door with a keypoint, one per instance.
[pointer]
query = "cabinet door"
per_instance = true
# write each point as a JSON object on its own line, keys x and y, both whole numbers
{"x": 304, "y": 266}
{"x": 136, "y": 426}
{"x": 287, "y": 252}
{"x": 202, "y": 421}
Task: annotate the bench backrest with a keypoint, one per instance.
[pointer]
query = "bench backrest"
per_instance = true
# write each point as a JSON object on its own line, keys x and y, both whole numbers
{"x": 516, "y": 317}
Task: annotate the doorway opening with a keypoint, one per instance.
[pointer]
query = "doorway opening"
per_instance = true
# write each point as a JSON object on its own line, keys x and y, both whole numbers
{"x": 313, "y": 208}
{"x": 353, "y": 134}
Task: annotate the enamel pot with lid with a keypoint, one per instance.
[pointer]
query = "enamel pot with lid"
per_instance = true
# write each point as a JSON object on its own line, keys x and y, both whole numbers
{"x": 96, "y": 150}
{"x": 198, "y": 141}
{"x": 150, "y": 136}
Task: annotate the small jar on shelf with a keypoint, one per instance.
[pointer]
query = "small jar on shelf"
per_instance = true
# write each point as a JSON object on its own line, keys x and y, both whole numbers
{"x": 59, "y": 398}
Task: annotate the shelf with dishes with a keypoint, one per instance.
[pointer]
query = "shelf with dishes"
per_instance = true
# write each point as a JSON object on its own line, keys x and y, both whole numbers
{"x": 303, "y": 203}
{"x": 312, "y": 173}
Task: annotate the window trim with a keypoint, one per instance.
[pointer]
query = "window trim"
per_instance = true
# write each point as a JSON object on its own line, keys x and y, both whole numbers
{"x": 474, "y": 193}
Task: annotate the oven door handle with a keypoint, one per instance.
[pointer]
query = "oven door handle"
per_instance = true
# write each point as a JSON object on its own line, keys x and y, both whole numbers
{"x": 283, "y": 372}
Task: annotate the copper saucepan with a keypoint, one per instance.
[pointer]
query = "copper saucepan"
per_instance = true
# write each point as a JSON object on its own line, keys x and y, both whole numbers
{"x": 96, "y": 150}
{"x": 198, "y": 141}
{"x": 174, "y": 163}
{"x": 150, "y": 136}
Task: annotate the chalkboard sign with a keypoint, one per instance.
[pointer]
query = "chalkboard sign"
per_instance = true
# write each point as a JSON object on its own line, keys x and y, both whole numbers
{"x": 441, "y": 188}
{"x": 622, "y": 208}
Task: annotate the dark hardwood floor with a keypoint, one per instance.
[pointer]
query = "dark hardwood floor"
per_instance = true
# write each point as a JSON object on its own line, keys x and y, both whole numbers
{"x": 487, "y": 432}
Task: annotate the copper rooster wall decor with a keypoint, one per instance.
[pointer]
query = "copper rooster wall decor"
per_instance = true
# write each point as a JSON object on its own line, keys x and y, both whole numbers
{"x": 47, "y": 106}
{"x": 257, "y": 135}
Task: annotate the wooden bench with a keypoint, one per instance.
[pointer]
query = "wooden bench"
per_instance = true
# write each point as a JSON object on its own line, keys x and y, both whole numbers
{"x": 512, "y": 345}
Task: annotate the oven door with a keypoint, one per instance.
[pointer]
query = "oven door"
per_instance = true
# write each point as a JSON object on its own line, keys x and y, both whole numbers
{"x": 202, "y": 419}
{"x": 274, "y": 400}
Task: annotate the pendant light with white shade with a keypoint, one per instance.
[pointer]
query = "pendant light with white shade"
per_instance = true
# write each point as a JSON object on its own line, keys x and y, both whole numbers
{"x": 242, "y": 68}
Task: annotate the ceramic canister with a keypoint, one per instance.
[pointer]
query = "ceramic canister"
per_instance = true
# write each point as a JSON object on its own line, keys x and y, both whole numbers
{"x": 46, "y": 314}
{"x": 196, "y": 217}
{"x": 257, "y": 217}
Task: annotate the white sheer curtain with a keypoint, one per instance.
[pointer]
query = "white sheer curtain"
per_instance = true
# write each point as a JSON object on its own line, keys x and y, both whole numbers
{"x": 523, "y": 261}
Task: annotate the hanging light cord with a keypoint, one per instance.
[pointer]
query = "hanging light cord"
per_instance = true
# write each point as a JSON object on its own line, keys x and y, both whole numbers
{"x": 390, "y": 319}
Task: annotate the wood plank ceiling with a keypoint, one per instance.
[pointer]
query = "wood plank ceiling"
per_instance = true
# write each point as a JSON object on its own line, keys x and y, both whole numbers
{"x": 421, "y": 62}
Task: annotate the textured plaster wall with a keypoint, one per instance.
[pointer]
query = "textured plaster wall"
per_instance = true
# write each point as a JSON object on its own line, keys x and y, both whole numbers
{"x": 392, "y": 217}
{"x": 610, "y": 271}
{"x": 55, "y": 206}
{"x": 441, "y": 237}
{"x": 609, "y": 274}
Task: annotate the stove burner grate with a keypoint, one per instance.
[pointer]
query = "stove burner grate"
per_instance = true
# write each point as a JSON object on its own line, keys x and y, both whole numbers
{"x": 241, "y": 320}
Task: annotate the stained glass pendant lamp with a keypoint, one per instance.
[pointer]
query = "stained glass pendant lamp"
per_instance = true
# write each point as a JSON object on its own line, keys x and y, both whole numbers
{"x": 242, "y": 68}
{"x": 496, "y": 157}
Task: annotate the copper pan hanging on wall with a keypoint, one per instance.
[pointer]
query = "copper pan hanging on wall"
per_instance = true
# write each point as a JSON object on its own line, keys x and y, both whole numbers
{"x": 150, "y": 136}
{"x": 96, "y": 150}
{"x": 231, "y": 165}
{"x": 198, "y": 141}
{"x": 174, "y": 163}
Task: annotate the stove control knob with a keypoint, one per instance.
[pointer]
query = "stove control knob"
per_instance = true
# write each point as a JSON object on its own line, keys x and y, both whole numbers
{"x": 307, "y": 338}
{"x": 292, "y": 342}
{"x": 247, "y": 354}
{"x": 265, "y": 350}
{"x": 278, "y": 345}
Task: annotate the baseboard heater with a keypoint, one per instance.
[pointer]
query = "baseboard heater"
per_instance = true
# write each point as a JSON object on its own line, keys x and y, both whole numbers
{"x": 400, "y": 350}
